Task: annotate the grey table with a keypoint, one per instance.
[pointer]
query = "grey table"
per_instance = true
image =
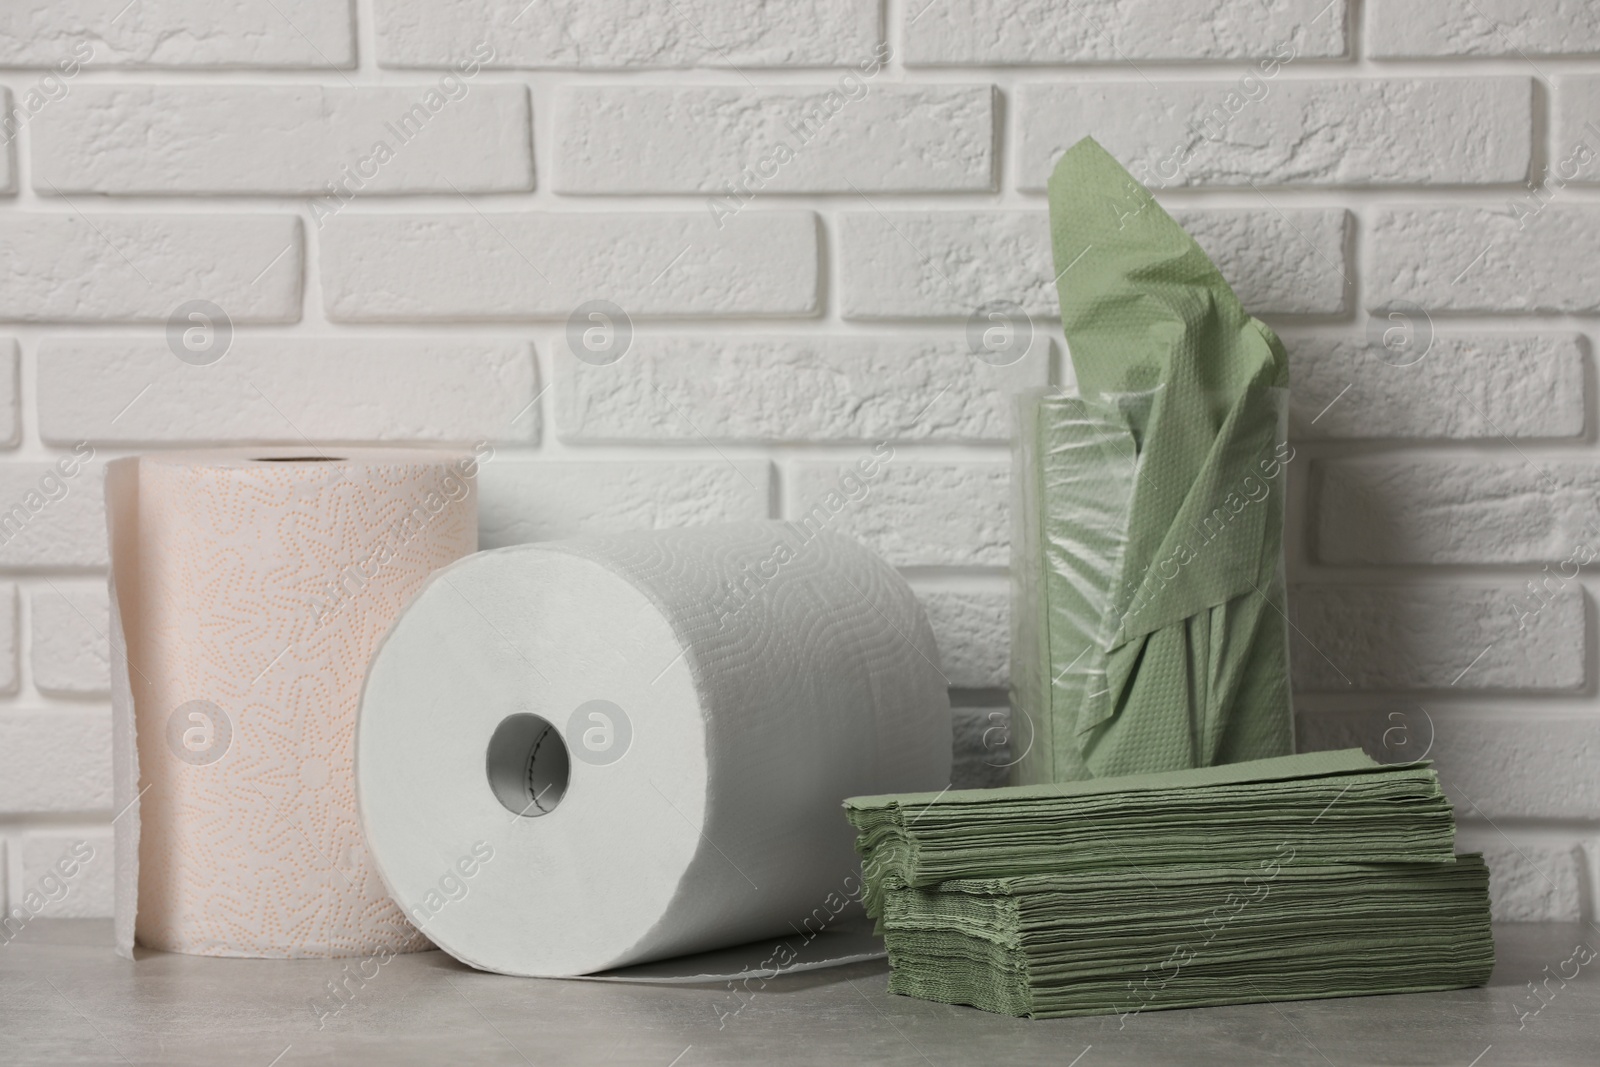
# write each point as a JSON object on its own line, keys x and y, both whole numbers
{"x": 66, "y": 999}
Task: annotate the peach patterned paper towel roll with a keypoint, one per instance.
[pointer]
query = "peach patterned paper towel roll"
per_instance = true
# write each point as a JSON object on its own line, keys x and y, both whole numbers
{"x": 248, "y": 590}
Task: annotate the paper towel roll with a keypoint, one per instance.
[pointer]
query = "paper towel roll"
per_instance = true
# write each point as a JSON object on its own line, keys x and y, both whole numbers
{"x": 248, "y": 589}
{"x": 581, "y": 755}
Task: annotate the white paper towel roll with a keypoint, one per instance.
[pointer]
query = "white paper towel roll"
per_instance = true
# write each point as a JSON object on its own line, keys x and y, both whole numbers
{"x": 581, "y": 755}
{"x": 248, "y": 588}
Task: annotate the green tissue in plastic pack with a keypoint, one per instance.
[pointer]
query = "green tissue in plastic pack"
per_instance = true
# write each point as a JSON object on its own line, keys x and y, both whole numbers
{"x": 1147, "y": 563}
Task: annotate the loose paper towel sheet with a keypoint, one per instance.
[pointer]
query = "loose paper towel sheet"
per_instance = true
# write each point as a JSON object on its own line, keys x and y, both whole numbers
{"x": 248, "y": 589}
{"x": 694, "y": 706}
{"x": 845, "y": 942}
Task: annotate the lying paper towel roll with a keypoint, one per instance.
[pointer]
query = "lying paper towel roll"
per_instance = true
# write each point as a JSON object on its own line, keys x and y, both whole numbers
{"x": 248, "y": 589}
{"x": 580, "y": 755}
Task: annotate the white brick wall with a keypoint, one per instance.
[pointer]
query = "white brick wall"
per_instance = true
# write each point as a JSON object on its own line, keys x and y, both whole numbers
{"x": 1398, "y": 28}
{"x": 164, "y": 140}
{"x": 273, "y": 387}
{"x": 71, "y": 638}
{"x": 57, "y": 760}
{"x": 52, "y": 519}
{"x": 390, "y": 209}
{"x": 1477, "y": 386}
{"x": 469, "y": 265}
{"x": 997, "y": 32}
{"x": 67, "y": 266}
{"x": 8, "y": 639}
{"x": 1431, "y": 637}
{"x": 971, "y": 627}
{"x": 1489, "y": 258}
{"x": 179, "y": 33}
{"x": 1281, "y": 134}
{"x": 912, "y": 513}
{"x": 1457, "y": 510}
{"x": 641, "y": 34}
{"x": 875, "y": 138}
{"x": 805, "y": 388}
{"x": 946, "y": 264}
{"x": 8, "y": 155}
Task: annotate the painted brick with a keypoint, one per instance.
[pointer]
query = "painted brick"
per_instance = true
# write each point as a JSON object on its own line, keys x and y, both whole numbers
{"x": 506, "y": 266}
{"x": 68, "y": 267}
{"x": 1530, "y": 882}
{"x": 315, "y": 140}
{"x": 1461, "y": 388}
{"x": 800, "y": 388}
{"x": 733, "y": 142}
{"x": 8, "y": 639}
{"x": 178, "y": 33}
{"x": 81, "y": 862}
{"x": 53, "y": 514}
{"x": 946, "y": 264}
{"x": 1289, "y": 263}
{"x": 1521, "y": 765}
{"x": 578, "y": 35}
{"x": 1370, "y": 131}
{"x": 287, "y": 388}
{"x": 1591, "y": 855}
{"x": 972, "y": 631}
{"x": 1574, "y": 134}
{"x": 981, "y": 751}
{"x": 983, "y": 32}
{"x": 55, "y": 761}
{"x": 13, "y": 116}
{"x": 1459, "y": 510}
{"x": 912, "y": 513}
{"x": 9, "y": 393}
{"x": 71, "y": 639}
{"x": 1484, "y": 258}
{"x": 521, "y": 501}
{"x": 1353, "y": 638}
{"x": 1512, "y": 28}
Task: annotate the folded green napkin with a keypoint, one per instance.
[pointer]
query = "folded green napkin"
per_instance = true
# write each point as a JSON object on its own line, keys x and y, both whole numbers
{"x": 1140, "y": 938}
{"x": 1318, "y": 807}
{"x": 1148, "y": 631}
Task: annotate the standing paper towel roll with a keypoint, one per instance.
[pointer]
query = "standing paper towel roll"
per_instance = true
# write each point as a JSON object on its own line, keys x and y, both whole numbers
{"x": 248, "y": 589}
{"x": 585, "y": 754}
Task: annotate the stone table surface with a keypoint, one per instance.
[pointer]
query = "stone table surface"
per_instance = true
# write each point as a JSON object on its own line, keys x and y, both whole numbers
{"x": 65, "y": 998}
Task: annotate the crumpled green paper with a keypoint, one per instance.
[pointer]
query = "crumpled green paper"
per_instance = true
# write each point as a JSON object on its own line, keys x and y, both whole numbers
{"x": 1148, "y": 624}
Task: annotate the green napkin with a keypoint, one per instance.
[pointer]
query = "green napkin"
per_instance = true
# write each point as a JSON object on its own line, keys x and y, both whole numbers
{"x": 1147, "y": 570}
{"x": 1318, "y": 807}
{"x": 1147, "y": 938}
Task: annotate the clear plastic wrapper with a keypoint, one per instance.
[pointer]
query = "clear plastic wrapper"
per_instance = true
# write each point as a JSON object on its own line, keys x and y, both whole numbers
{"x": 1078, "y": 596}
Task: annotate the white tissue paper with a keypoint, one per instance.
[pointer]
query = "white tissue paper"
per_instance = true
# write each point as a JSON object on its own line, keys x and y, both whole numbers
{"x": 582, "y": 755}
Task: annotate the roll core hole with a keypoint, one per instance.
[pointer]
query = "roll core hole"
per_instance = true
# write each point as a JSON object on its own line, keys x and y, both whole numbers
{"x": 528, "y": 765}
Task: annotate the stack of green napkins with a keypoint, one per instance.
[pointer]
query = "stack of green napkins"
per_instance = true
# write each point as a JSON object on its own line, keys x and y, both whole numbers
{"x": 1132, "y": 940}
{"x": 1317, "y": 875}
